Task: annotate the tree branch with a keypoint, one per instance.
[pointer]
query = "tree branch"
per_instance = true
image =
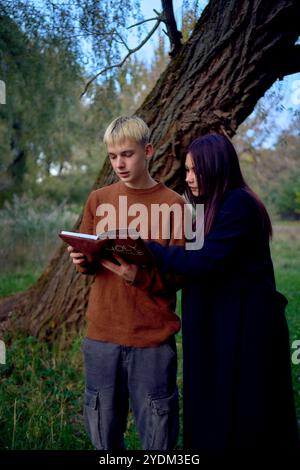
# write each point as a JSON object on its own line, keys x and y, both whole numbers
{"x": 167, "y": 17}
{"x": 174, "y": 35}
{"x": 158, "y": 15}
{"x": 123, "y": 41}
{"x": 120, "y": 64}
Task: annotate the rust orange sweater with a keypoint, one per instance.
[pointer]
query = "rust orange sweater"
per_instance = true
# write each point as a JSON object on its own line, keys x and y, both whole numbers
{"x": 119, "y": 312}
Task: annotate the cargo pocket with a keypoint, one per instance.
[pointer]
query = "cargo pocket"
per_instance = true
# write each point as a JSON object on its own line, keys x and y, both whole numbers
{"x": 92, "y": 418}
{"x": 164, "y": 426}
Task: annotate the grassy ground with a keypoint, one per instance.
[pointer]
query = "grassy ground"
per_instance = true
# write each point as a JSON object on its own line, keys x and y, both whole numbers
{"x": 41, "y": 386}
{"x": 286, "y": 257}
{"x": 16, "y": 282}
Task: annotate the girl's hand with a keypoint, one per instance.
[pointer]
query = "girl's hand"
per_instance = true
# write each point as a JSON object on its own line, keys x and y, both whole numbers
{"x": 126, "y": 270}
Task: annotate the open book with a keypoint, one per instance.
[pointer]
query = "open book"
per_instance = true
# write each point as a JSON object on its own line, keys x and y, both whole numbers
{"x": 121, "y": 241}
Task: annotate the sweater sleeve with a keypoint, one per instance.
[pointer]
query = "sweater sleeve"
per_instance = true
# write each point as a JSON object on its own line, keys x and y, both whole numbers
{"x": 90, "y": 266}
{"x": 235, "y": 219}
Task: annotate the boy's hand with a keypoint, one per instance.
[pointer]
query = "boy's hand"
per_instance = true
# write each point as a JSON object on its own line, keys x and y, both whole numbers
{"x": 77, "y": 258}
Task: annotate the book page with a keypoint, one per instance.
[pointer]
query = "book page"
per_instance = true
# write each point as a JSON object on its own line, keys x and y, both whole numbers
{"x": 79, "y": 235}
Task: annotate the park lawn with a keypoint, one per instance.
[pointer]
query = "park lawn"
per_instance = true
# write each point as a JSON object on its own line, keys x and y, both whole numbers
{"x": 285, "y": 249}
{"x": 41, "y": 385}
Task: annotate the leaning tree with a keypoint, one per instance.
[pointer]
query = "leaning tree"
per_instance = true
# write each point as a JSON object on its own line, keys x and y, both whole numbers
{"x": 237, "y": 50}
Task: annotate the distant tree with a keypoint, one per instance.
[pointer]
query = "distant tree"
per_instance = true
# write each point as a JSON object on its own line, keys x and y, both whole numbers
{"x": 271, "y": 167}
{"x": 46, "y": 133}
{"x": 42, "y": 117}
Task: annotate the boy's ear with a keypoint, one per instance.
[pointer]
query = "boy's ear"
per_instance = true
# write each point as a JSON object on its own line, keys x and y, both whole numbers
{"x": 149, "y": 151}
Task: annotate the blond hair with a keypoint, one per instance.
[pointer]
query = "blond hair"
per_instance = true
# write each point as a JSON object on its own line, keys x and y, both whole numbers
{"x": 127, "y": 128}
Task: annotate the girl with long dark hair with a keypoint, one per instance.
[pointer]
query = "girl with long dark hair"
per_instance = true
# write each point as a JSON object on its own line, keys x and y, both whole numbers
{"x": 237, "y": 382}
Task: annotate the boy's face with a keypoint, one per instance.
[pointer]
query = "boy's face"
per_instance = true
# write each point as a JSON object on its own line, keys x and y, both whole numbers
{"x": 129, "y": 161}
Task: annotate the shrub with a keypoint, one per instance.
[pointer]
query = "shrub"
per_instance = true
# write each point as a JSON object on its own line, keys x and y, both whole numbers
{"x": 29, "y": 231}
{"x": 286, "y": 196}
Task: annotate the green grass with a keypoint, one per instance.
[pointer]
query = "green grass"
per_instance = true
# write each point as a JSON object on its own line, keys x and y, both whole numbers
{"x": 41, "y": 397}
{"x": 41, "y": 386}
{"x": 16, "y": 282}
{"x": 285, "y": 250}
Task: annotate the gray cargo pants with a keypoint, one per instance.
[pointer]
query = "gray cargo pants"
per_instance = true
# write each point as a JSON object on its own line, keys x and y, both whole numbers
{"x": 147, "y": 376}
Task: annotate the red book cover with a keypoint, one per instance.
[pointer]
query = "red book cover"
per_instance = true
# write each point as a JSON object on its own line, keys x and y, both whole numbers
{"x": 131, "y": 249}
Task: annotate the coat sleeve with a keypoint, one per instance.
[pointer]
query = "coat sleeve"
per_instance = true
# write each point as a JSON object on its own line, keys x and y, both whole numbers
{"x": 237, "y": 216}
{"x": 152, "y": 279}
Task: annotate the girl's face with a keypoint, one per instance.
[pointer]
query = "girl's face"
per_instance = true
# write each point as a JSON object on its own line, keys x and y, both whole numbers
{"x": 191, "y": 178}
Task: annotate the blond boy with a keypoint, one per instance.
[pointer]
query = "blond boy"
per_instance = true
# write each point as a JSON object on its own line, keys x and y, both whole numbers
{"x": 130, "y": 349}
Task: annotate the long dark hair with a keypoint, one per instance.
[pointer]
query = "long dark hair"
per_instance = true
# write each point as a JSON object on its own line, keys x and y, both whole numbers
{"x": 217, "y": 170}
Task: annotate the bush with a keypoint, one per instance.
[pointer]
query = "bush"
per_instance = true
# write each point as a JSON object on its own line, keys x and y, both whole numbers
{"x": 29, "y": 231}
{"x": 286, "y": 196}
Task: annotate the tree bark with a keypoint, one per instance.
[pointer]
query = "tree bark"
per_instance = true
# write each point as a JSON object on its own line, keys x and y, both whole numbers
{"x": 236, "y": 52}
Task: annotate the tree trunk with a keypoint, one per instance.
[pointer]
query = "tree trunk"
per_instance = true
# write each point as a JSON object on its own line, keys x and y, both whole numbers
{"x": 236, "y": 52}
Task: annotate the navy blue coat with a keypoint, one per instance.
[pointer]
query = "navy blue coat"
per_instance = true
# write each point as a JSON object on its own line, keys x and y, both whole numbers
{"x": 237, "y": 384}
